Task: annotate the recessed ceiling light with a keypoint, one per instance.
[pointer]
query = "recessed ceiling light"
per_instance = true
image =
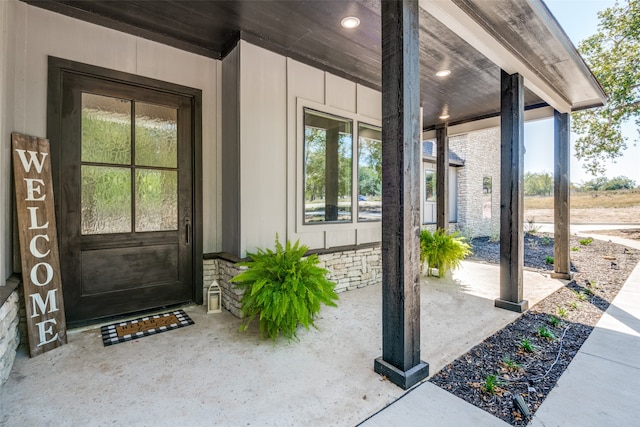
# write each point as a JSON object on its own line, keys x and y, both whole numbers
{"x": 444, "y": 117}
{"x": 443, "y": 73}
{"x": 350, "y": 22}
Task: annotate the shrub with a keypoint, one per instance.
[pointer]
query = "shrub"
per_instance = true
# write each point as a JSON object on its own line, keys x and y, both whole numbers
{"x": 284, "y": 289}
{"x": 548, "y": 260}
{"x": 527, "y": 345}
{"x": 442, "y": 251}
{"x": 510, "y": 364}
{"x": 530, "y": 226}
{"x": 585, "y": 242}
{"x": 491, "y": 384}
{"x": 545, "y": 332}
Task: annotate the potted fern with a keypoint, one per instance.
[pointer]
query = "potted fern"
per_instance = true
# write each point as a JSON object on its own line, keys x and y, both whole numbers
{"x": 442, "y": 250}
{"x": 283, "y": 289}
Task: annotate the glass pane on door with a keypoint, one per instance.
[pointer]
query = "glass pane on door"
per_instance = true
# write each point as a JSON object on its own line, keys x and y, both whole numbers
{"x": 106, "y": 129}
{"x": 156, "y": 135}
{"x": 156, "y": 200}
{"x": 106, "y": 200}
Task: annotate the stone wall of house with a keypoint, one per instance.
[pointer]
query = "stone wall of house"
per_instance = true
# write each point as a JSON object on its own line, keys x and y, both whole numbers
{"x": 353, "y": 269}
{"x": 478, "y": 208}
{"x": 222, "y": 270}
{"x": 349, "y": 269}
{"x": 9, "y": 334}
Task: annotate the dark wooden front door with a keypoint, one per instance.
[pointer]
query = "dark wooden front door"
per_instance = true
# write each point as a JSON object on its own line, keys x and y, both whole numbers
{"x": 125, "y": 197}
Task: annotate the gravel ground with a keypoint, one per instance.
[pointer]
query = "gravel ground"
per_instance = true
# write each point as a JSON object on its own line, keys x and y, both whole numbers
{"x": 528, "y": 356}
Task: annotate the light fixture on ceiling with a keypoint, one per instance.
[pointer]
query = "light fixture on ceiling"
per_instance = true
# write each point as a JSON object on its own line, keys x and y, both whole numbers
{"x": 443, "y": 73}
{"x": 350, "y": 22}
{"x": 444, "y": 116}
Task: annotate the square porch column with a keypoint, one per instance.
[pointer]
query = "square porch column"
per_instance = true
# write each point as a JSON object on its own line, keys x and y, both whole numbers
{"x": 401, "y": 156}
{"x": 561, "y": 203}
{"x": 511, "y": 192}
{"x": 442, "y": 177}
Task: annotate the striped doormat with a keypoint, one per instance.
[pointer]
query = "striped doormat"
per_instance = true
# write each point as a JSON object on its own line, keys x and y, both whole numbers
{"x": 143, "y": 327}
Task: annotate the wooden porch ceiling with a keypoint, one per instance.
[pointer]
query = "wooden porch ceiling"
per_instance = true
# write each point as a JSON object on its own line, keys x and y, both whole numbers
{"x": 473, "y": 39}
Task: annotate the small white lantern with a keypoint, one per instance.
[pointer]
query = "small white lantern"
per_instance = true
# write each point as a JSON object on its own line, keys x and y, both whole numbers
{"x": 214, "y": 300}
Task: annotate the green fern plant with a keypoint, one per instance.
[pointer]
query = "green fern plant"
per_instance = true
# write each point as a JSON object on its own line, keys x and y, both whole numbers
{"x": 283, "y": 289}
{"x": 442, "y": 251}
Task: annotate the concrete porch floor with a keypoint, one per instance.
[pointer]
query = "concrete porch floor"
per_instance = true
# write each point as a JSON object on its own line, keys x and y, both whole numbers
{"x": 211, "y": 374}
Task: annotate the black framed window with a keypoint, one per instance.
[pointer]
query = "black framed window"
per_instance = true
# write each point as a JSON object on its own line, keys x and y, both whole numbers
{"x": 328, "y": 168}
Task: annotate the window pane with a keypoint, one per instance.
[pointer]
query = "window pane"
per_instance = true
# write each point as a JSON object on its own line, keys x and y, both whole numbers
{"x": 369, "y": 173}
{"x": 156, "y": 135}
{"x": 156, "y": 200}
{"x": 106, "y": 200}
{"x": 430, "y": 185}
{"x": 328, "y": 157}
{"x": 106, "y": 129}
{"x": 487, "y": 189}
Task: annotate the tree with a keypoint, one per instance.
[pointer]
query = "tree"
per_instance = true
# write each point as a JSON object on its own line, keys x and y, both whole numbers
{"x": 604, "y": 184}
{"x": 613, "y": 54}
{"x": 538, "y": 184}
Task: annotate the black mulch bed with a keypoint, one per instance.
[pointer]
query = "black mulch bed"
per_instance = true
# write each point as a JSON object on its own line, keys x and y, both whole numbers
{"x": 569, "y": 314}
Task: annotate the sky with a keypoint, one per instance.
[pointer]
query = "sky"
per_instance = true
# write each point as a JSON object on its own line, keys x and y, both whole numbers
{"x": 579, "y": 20}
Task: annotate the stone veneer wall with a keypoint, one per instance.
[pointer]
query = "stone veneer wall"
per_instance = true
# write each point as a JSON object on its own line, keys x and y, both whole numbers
{"x": 349, "y": 269}
{"x": 480, "y": 151}
{"x": 9, "y": 333}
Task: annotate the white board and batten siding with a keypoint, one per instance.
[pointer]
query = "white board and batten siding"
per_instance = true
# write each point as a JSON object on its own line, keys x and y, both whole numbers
{"x": 273, "y": 92}
{"x": 38, "y": 33}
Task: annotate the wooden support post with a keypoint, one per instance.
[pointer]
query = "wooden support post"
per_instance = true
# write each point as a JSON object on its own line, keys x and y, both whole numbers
{"x": 561, "y": 205}
{"x": 442, "y": 177}
{"x": 511, "y": 192}
{"x": 401, "y": 157}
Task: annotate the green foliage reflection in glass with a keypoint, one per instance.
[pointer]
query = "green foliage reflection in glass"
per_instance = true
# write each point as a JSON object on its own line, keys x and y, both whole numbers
{"x": 106, "y": 200}
{"x": 369, "y": 173}
{"x": 283, "y": 289}
{"x": 328, "y": 154}
{"x": 430, "y": 185}
{"x": 106, "y": 129}
{"x": 156, "y": 135}
{"x": 156, "y": 200}
{"x": 106, "y": 187}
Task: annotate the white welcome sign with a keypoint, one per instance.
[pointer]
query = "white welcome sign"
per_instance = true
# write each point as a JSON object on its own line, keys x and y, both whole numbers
{"x": 46, "y": 322}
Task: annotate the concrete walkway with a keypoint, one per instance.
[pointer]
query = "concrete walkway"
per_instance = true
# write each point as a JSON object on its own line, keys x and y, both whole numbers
{"x": 601, "y": 386}
{"x": 209, "y": 374}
